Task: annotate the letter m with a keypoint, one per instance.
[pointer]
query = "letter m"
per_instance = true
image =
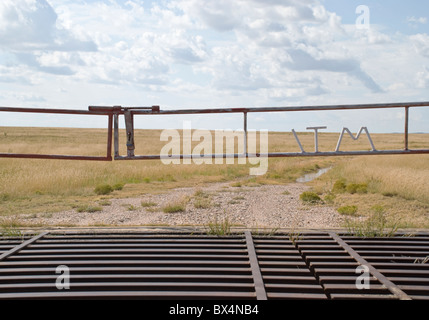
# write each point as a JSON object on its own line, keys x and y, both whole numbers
{"x": 354, "y": 138}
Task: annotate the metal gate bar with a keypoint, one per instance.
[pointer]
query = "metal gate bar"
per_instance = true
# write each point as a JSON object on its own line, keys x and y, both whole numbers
{"x": 403, "y": 260}
{"x": 108, "y": 156}
{"x": 16, "y": 249}
{"x": 284, "y": 270}
{"x": 155, "y": 110}
{"x": 150, "y": 265}
{"x": 374, "y": 272}
{"x": 256, "y": 272}
{"x": 113, "y": 113}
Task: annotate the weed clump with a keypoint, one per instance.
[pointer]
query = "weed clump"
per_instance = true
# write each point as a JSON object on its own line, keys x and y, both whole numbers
{"x": 390, "y": 194}
{"x": 118, "y": 186}
{"x": 103, "y": 189}
{"x": 88, "y": 208}
{"x": 348, "y": 210}
{"x": 310, "y": 197}
{"x": 202, "y": 203}
{"x": 178, "y": 206}
{"x": 357, "y": 188}
{"x": 173, "y": 208}
{"x": 148, "y": 204}
{"x": 329, "y": 198}
{"x": 219, "y": 228}
{"x": 375, "y": 226}
{"x": 340, "y": 186}
{"x": 202, "y": 200}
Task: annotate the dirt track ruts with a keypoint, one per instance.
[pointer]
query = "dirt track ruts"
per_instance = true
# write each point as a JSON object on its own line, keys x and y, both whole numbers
{"x": 265, "y": 206}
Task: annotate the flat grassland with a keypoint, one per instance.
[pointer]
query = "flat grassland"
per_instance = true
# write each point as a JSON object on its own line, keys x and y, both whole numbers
{"x": 356, "y": 186}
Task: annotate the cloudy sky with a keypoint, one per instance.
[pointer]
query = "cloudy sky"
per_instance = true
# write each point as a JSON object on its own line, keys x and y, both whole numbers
{"x": 216, "y": 53}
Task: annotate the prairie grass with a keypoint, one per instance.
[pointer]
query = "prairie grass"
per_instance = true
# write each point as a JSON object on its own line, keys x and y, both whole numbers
{"x": 202, "y": 203}
{"x": 176, "y": 205}
{"x": 348, "y": 210}
{"x": 376, "y": 225}
{"x": 399, "y": 183}
{"x": 173, "y": 208}
{"x": 89, "y": 208}
{"x": 34, "y": 185}
{"x": 148, "y": 204}
{"x": 310, "y": 197}
{"x": 222, "y": 228}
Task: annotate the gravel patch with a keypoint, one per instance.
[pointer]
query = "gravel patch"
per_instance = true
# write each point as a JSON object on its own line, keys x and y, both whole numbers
{"x": 265, "y": 206}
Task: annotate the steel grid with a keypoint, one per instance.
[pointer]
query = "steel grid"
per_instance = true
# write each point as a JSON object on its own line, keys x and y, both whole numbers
{"x": 149, "y": 265}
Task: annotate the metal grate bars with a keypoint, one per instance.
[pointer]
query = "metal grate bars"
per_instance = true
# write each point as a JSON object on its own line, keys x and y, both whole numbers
{"x": 151, "y": 265}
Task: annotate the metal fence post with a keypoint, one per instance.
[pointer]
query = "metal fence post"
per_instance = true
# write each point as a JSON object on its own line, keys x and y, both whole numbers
{"x": 407, "y": 111}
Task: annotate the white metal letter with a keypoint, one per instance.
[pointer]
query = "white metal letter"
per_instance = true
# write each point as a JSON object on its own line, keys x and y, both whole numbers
{"x": 316, "y": 137}
{"x": 355, "y": 138}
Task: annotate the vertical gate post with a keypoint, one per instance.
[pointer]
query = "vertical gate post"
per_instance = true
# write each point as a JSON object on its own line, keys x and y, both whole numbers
{"x": 407, "y": 111}
{"x": 109, "y": 138}
{"x": 245, "y": 134}
{"x": 116, "y": 111}
{"x": 129, "y": 126}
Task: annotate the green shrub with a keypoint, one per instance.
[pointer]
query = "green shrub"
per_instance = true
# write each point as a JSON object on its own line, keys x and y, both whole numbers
{"x": 310, "y": 197}
{"x": 176, "y": 206}
{"x": 390, "y": 194}
{"x": 131, "y": 207}
{"x": 173, "y": 208}
{"x": 104, "y": 202}
{"x": 88, "y": 208}
{"x": 375, "y": 226}
{"x": 219, "y": 228}
{"x": 339, "y": 186}
{"x": 348, "y": 210}
{"x": 357, "y": 188}
{"x": 4, "y": 197}
{"x": 103, "y": 189}
{"x": 329, "y": 198}
{"x": 118, "y": 186}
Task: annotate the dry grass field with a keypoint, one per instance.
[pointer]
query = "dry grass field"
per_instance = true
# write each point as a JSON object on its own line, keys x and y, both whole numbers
{"x": 396, "y": 185}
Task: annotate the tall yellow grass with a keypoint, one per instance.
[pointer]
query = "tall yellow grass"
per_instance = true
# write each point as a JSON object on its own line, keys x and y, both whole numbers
{"x": 405, "y": 176}
{"x": 24, "y": 177}
{"x": 28, "y": 185}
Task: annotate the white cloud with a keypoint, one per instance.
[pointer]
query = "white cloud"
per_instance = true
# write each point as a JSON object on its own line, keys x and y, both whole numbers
{"x": 421, "y": 44}
{"x": 423, "y": 78}
{"x": 204, "y": 52}
{"x": 420, "y": 20}
{"x": 27, "y": 25}
{"x": 29, "y": 32}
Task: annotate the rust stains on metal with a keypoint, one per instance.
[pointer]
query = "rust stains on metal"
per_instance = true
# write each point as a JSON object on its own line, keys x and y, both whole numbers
{"x": 181, "y": 265}
{"x": 113, "y": 112}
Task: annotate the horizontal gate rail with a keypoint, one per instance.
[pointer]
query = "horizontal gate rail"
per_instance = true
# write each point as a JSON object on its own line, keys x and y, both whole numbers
{"x": 113, "y": 113}
{"x": 108, "y": 156}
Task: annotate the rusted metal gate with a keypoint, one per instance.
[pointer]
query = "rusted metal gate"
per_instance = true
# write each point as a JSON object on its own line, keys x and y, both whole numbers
{"x": 151, "y": 265}
{"x": 114, "y": 112}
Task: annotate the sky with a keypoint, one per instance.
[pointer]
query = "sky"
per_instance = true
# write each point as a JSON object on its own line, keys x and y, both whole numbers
{"x": 216, "y": 54}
